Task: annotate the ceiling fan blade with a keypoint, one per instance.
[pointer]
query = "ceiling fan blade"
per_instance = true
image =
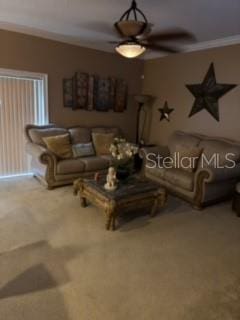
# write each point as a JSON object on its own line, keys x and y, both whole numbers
{"x": 162, "y": 48}
{"x": 146, "y": 32}
{"x": 118, "y": 33}
{"x": 174, "y": 34}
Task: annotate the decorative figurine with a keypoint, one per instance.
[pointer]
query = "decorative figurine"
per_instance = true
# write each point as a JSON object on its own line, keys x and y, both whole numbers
{"x": 97, "y": 176}
{"x": 111, "y": 183}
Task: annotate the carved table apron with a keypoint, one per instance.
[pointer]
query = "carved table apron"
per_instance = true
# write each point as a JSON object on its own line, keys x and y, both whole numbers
{"x": 133, "y": 195}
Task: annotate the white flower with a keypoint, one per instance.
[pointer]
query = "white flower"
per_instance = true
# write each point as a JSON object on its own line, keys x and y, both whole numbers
{"x": 123, "y": 150}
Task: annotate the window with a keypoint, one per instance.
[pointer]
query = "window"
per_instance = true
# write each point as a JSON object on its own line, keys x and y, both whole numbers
{"x": 23, "y": 100}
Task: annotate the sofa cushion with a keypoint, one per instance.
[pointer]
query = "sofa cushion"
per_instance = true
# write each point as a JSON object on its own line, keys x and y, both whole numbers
{"x": 95, "y": 163}
{"x": 102, "y": 143}
{"x": 109, "y": 158}
{"x": 37, "y": 135}
{"x": 180, "y": 178}
{"x": 70, "y": 166}
{"x": 182, "y": 139}
{"x": 60, "y": 145}
{"x": 187, "y": 158}
{"x": 80, "y": 135}
{"x": 218, "y": 149}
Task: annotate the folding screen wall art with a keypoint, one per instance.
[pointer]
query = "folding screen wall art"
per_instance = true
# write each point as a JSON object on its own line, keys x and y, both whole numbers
{"x": 91, "y": 92}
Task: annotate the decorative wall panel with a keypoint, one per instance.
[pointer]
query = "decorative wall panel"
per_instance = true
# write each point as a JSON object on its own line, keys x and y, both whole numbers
{"x": 121, "y": 96}
{"x": 68, "y": 93}
{"x": 91, "y": 92}
{"x": 81, "y": 90}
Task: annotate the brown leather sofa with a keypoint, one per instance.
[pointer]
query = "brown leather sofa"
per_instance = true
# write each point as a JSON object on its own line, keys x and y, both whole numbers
{"x": 54, "y": 172}
{"x": 208, "y": 183}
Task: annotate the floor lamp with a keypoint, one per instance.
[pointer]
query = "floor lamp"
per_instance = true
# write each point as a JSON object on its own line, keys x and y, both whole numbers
{"x": 141, "y": 100}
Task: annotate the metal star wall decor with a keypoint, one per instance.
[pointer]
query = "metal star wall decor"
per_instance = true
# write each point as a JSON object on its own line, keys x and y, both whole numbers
{"x": 208, "y": 93}
{"x": 165, "y": 112}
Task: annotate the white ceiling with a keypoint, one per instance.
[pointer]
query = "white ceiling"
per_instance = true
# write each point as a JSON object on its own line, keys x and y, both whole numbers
{"x": 89, "y": 22}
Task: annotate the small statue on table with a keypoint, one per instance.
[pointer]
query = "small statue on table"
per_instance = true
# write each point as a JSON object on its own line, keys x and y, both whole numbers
{"x": 112, "y": 181}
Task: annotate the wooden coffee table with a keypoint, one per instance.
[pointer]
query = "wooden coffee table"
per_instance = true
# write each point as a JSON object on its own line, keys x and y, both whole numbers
{"x": 132, "y": 194}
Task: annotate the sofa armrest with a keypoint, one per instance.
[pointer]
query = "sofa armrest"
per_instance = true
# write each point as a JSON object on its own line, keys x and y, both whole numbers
{"x": 163, "y": 151}
{"x": 223, "y": 174}
{"x": 211, "y": 175}
{"x": 42, "y": 154}
{"x": 201, "y": 177}
{"x": 35, "y": 150}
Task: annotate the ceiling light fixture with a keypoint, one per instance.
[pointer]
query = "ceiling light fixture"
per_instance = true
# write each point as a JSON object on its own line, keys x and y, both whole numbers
{"x": 130, "y": 49}
{"x": 129, "y": 24}
{"x": 134, "y": 28}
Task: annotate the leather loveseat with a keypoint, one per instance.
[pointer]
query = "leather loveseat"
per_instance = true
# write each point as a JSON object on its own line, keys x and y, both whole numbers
{"x": 213, "y": 179}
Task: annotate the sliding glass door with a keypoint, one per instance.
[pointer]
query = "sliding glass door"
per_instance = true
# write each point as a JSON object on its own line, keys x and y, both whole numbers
{"x": 23, "y": 100}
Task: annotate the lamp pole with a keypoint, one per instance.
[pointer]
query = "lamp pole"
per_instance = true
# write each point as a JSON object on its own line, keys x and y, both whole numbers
{"x": 141, "y": 100}
{"x": 140, "y": 106}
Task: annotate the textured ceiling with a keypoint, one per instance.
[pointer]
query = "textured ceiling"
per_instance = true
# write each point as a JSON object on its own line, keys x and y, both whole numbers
{"x": 89, "y": 22}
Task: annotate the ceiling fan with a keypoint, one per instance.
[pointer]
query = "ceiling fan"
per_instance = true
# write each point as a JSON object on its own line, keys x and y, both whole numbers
{"x": 135, "y": 31}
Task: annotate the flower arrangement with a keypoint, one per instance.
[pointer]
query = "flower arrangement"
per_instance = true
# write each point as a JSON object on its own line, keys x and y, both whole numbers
{"x": 123, "y": 153}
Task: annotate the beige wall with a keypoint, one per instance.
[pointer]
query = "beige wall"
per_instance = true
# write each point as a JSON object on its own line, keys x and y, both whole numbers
{"x": 165, "y": 78}
{"x": 59, "y": 60}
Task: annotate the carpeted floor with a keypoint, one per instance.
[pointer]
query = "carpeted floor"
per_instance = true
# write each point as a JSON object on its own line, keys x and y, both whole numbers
{"x": 57, "y": 262}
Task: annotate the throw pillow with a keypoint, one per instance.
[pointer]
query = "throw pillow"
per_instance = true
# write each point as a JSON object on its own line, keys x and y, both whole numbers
{"x": 102, "y": 143}
{"x": 37, "y": 135}
{"x": 60, "y": 146}
{"x": 187, "y": 158}
{"x": 83, "y": 150}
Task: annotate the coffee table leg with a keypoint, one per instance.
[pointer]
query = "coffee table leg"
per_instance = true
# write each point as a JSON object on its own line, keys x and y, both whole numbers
{"x": 108, "y": 219}
{"x": 164, "y": 199}
{"x": 83, "y": 202}
{"x": 110, "y": 212}
{"x": 154, "y": 207}
{"x": 159, "y": 201}
{"x": 113, "y": 222}
{"x": 110, "y": 223}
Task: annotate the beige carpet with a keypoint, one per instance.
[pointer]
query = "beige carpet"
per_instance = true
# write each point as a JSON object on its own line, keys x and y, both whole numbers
{"x": 57, "y": 261}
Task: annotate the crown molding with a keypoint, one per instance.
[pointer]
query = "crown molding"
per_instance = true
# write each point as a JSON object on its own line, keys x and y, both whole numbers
{"x": 228, "y": 41}
{"x": 205, "y": 45}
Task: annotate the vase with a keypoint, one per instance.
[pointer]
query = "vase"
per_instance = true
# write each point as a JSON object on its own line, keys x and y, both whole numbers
{"x": 123, "y": 173}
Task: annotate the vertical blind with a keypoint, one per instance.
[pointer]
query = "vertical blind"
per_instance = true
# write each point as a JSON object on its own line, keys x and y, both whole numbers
{"x": 22, "y": 101}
